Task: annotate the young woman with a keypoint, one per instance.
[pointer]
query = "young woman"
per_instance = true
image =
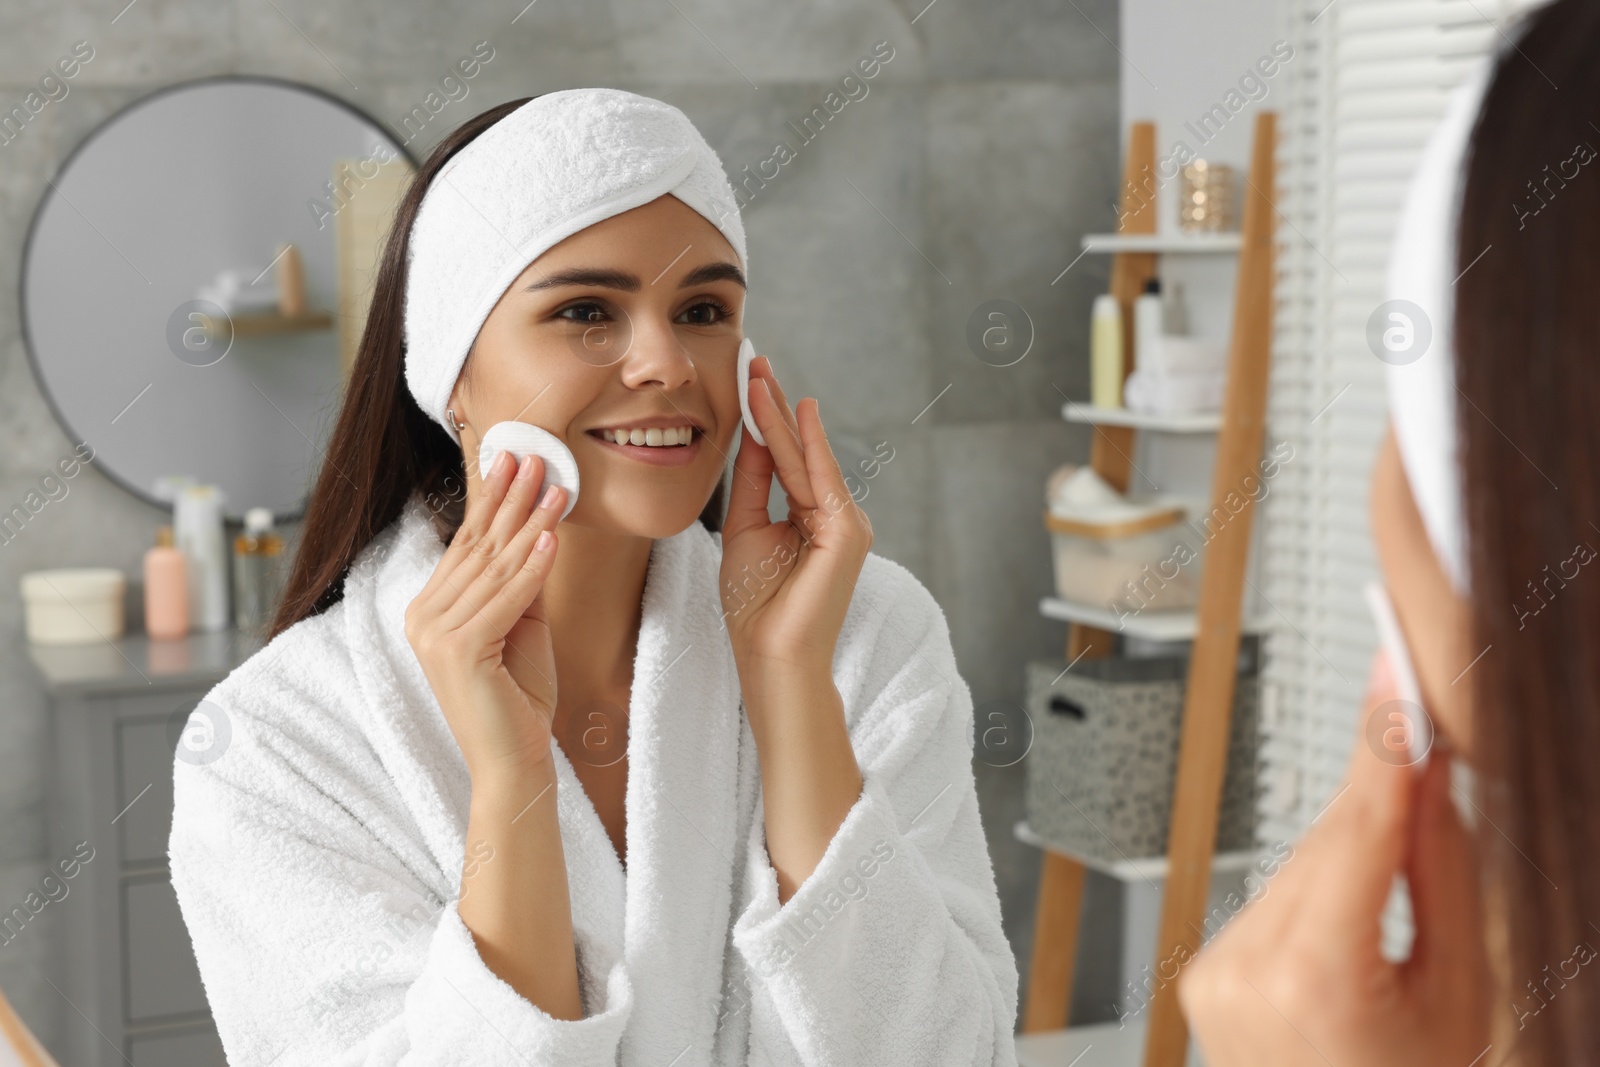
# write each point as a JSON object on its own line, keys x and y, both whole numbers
{"x": 636, "y": 785}
{"x": 1488, "y": 564}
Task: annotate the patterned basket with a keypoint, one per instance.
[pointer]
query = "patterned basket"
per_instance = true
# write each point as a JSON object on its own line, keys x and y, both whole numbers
{"x": 1105, "y": 751}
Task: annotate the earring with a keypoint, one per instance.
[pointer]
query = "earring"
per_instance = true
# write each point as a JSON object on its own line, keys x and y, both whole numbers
{"x": 450, "y": 413}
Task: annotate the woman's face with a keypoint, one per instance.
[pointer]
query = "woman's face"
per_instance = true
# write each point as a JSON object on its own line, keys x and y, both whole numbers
{"x": 632, "y": 324}
{"x": 1433, "y": 616}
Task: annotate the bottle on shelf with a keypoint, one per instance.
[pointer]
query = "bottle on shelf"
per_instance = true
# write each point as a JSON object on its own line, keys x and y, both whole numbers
{"x": 1105, "y": 352}
{"x": 166, "y": 589}
{"x": 198, "y": 530}
{"x": 257, "y": 572}
{"x": 1176, "y": 317}
{"x": 1148, "y": 325}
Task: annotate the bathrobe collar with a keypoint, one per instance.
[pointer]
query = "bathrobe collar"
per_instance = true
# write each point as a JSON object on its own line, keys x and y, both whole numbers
{"x": 685, "y": 731}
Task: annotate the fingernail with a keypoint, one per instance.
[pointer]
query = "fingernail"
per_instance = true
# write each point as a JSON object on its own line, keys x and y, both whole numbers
{"x": 549, "y": 500}
{"x": 498, "y": 461}
{"x": 542, "y": 542}
{"x": 525, "y": 469}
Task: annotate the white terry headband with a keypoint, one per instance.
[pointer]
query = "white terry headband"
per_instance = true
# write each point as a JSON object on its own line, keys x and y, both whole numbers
{"x": 1422, "y": 270}
{"x": 559, "y": 163}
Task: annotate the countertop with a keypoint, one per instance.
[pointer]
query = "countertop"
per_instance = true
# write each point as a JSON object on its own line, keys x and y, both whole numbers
{"x": 138, "y": 661}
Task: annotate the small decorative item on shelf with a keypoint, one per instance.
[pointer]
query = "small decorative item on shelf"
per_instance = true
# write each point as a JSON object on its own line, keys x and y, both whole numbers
{"x": 1205, "y": 197}
{"x": 1099, "y": 776}
{"x": 291, "y": 282}
{"x": 234, "y": 295}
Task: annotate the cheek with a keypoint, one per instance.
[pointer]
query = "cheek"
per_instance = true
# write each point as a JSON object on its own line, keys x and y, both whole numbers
{"x": 1453, "y": 715}
{"x": 1434, "y": 619}
{"x": 723, "y": 395}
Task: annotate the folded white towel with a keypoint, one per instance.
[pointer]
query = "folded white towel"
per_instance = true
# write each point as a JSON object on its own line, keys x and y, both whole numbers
{"x": 559, "y": 163}
{"x": 1174, "y": 393}
{"x": 318, "y": 860}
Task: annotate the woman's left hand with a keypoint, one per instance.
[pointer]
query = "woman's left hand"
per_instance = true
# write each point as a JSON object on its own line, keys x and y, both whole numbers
{"x": 786, "y": 585}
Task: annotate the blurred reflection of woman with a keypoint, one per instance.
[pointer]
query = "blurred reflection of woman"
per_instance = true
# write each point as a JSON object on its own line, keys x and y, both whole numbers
{"x": 1485, "y": 547}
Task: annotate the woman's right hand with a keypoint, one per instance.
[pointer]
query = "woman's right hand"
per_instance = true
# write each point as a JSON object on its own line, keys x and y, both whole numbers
{"x": 479, "y": 627}
{"x": 1298, "y": 978}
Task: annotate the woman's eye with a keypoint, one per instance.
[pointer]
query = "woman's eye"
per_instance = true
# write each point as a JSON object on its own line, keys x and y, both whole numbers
{"x": 719, "y": 310}
{"x": 589, "y": 311}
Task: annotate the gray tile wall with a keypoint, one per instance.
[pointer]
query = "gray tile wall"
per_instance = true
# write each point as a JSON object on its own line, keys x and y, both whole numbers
{"x": 982, "y": 151}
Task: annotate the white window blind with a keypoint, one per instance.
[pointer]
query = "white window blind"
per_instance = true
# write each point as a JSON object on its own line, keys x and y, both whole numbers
{"x": 1369, "y": 82}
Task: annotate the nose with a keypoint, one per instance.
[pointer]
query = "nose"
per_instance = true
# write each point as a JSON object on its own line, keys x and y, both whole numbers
{"x": 656, "y": 357}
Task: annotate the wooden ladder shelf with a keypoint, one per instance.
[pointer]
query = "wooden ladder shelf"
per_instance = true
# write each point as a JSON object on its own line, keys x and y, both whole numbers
{"x": 1208, "y": 699}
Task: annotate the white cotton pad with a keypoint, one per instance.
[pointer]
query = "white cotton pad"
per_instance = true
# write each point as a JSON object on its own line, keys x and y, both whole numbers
{"x": 747, "y": 352}
{"x": 525, "y": 439}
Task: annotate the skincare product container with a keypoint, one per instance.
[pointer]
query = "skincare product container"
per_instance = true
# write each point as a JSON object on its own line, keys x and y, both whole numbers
{"x": 166, "y": 589}
{"x": 1149, "y": 323}
{"x": 1105, "y": 352}
{"x": 257, "y": 572}
{"x": 197, "y": 527}
{"x": 74, "y": 605}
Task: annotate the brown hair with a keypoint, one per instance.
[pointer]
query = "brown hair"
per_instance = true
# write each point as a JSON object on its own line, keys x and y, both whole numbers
{"x": 384, "y": 449}
{"x": 1527, "y": 327}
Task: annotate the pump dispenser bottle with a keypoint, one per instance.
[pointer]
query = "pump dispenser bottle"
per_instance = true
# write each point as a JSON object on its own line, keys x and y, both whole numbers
{"x": 257, "y": 572}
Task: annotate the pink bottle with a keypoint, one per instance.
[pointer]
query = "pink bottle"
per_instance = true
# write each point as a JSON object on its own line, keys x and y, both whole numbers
{"x": 166, "y": 589}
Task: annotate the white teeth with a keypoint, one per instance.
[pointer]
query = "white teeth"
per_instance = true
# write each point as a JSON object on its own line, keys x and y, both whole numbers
{"x": 654, "y": 437}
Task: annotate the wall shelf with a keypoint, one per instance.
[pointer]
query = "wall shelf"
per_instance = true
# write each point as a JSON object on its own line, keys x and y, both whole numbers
{"x": 1200, "y": 422}
{"x": 270, "y": 324}
{"x": 1097, "y": 1045}
{"x": 1149, "y": 625}
{"x": 1138, "y": 869}
{"x": 1196, "y": 244}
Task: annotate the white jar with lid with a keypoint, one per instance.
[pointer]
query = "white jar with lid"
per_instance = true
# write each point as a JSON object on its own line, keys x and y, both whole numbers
{"x": 74, "y": 605}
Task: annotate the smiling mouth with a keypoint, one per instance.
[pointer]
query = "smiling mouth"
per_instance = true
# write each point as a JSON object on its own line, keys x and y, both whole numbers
{"x": 654, "y": 437}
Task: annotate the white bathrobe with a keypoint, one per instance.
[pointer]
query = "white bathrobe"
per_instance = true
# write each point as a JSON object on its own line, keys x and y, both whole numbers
{"x": 318, "y": 858}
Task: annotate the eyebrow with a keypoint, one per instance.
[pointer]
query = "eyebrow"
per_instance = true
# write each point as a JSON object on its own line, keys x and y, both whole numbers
{"x": 620, "y": 279}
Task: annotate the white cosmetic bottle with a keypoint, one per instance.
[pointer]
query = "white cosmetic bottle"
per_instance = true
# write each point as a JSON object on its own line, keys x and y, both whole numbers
{"x": 1148, "y": 325}
{"x": 197, "y": 530}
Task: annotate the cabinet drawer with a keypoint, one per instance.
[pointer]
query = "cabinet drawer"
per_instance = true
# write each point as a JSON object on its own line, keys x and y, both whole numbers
{"x": 160, "y": 977}
{"x": 200, "y": 1048}
{"x": 144, "y": 766}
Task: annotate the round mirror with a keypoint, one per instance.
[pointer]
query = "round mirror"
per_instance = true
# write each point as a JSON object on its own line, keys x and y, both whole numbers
{"x": 196, "y": 279}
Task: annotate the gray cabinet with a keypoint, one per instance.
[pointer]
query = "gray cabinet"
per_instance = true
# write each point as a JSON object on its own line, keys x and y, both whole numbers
{"x": 129, "y": 969}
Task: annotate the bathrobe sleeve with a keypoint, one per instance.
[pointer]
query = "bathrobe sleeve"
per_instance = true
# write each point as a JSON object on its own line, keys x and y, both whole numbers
{"x": 891, "y": 952}
{"x": 324, "y": 932}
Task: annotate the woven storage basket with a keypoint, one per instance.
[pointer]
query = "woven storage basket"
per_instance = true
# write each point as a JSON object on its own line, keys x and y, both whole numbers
{"x": 1105, "y": 750}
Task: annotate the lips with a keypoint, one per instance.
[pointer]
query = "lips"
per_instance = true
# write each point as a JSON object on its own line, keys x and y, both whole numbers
{"x": 620, "y": 440}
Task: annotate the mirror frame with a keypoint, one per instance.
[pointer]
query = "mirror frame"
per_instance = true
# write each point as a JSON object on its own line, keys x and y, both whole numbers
{"x": 230, "y": 515}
